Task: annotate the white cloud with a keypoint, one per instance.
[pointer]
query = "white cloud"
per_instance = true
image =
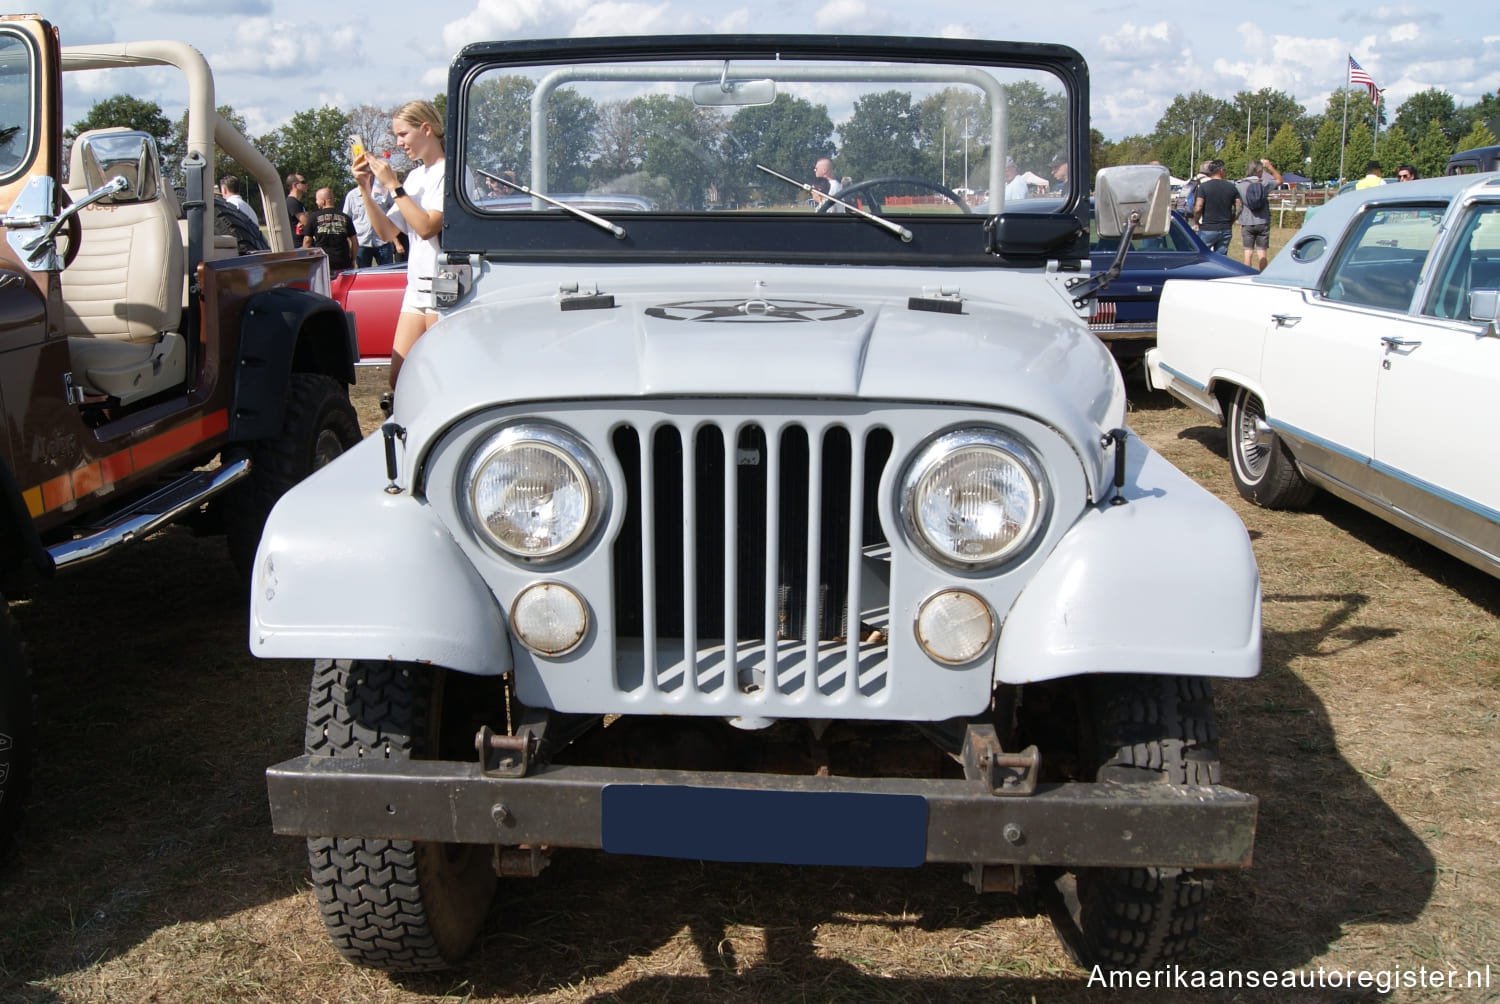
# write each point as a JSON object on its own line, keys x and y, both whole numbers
{"x": 612, "y": 18}
{"x": 492, "y": 19}
{"x": 221, "y": 9}
{"x": 261, "y": 45}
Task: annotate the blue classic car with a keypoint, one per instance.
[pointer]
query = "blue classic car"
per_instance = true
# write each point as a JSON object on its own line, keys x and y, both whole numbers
{"x": 1124, "y": 312}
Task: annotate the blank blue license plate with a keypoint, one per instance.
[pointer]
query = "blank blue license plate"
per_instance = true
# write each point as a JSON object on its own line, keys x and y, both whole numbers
{"x": 776, "y": 827}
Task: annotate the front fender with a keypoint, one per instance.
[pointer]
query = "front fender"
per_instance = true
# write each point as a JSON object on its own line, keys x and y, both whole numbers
{"x": 1166, "y": 583}
{"x": 345, "y": 570}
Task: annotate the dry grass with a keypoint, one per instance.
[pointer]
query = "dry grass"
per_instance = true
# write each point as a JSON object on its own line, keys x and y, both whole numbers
{"x": 147, "y": 870}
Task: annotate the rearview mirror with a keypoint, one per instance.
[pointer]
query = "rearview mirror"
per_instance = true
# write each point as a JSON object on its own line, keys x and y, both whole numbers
{"x": 1123, "y": 192}
{"x": 716, "y": 93}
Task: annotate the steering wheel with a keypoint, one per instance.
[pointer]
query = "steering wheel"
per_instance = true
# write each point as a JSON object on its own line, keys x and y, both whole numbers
{"x": 74, "y": 231}
{"x": 873, "y": 183}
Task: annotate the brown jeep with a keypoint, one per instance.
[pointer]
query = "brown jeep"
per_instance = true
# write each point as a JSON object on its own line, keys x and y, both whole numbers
{"x": 149, "y": 372}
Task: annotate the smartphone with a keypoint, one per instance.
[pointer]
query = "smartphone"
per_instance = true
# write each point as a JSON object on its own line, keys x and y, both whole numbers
{"x": 356, "y": 146}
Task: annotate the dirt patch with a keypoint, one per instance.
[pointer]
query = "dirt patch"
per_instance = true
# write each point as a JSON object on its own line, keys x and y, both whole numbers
{"x": 147, "y": 871}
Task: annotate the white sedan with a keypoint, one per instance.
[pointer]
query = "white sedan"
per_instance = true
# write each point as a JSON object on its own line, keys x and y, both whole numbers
{"x": 1365, "y": 360}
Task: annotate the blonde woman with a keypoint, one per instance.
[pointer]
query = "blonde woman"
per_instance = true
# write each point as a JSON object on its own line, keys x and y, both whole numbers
{"x": 416, "y": 211}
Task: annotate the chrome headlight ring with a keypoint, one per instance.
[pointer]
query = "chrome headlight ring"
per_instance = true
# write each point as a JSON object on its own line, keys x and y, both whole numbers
{"x": 975, "y": 498}
{"x": 534, "y": 492}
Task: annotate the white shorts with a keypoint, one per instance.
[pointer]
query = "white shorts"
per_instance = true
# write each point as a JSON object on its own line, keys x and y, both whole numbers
{"x": 418, "y": 301}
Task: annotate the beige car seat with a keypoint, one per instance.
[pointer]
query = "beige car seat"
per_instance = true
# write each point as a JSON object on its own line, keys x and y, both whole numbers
{"x": 122, "y": 296}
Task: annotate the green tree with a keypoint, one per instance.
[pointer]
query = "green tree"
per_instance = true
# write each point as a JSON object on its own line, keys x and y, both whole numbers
{"x": 1433, "y": 150}
{"x": 1262, "y": 113}
{"x": 1326, "y": 150}
{"x": 1193, "y": 129}
{"x": 1358, "y": 151}
{"x": 1036, "y": 125}
{"x": 315, "y": 144}
{"x": 129, "y": 112}
{"x": 1424, "y": 107}
{"x": 1477, "y": 136}
{"x": 1130, "y": 150}
{"x": 881, "y": 137}
{"x": 1286, "y": 150}
{"x": 499, "y": 132}
{"x": 954, "y": 125}
{"x": 789, "y": 136}
{"x": 498, "y": 137}
{"x": 1393, "y": 151}
{"x": 681, "y": 148}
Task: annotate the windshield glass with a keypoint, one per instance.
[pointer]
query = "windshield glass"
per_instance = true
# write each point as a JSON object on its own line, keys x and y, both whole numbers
{"x": 749, "y": 136}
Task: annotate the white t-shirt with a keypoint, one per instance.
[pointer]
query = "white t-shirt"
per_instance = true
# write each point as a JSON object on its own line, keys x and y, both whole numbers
{"x": 424, "y": 185}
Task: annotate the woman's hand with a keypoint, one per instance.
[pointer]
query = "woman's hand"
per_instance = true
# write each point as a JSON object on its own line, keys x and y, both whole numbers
{"x": 363, "y": 175}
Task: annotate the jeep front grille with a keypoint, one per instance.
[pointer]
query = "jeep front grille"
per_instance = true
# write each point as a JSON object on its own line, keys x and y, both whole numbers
{"x": 765, "y": 533}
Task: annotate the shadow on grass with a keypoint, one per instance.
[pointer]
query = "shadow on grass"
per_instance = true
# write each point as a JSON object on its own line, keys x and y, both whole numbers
{"x": 154, "y": 728}
{"x": 149, "y": 810}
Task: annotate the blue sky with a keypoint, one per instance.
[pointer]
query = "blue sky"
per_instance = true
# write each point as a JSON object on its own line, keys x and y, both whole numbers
{"x": 272, "y": 58}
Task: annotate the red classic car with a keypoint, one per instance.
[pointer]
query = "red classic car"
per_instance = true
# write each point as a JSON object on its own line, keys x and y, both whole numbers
{"x": 372, "y": 296}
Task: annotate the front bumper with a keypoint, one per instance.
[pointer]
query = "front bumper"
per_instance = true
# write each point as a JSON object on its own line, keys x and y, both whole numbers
{"x": 772, "y": 818}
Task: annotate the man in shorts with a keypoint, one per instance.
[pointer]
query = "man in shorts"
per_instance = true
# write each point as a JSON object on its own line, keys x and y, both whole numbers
{"x": 1214, "y": 208}
{"x": 1255, "y": 223}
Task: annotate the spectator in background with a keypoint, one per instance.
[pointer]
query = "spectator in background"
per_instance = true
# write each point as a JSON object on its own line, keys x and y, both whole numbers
{"x": 372, "y": 250}
{"x": 824, "y": 169}
{"x": 1015, "y": 185}
{"x": 1406, "y": 173}
{"x": 332, "y": 231}
{"x": 1060, "y": 172}
{"x": 1372, "y": 176}
{"x": 1215, "y": 208}
{"x": 229, "y": 187}
{"x": 296, "y": 190}
{"x": 1255, "y": 210}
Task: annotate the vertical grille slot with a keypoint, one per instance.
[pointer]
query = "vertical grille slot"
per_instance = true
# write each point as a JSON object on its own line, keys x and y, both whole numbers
{"x": 742, "y": 554}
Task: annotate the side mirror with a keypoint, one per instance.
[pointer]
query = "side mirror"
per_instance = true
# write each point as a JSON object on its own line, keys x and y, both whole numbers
{"x": 1139, "y": 191}
{"x": 121, "y": 153}
{"x": 1484, "y": 305}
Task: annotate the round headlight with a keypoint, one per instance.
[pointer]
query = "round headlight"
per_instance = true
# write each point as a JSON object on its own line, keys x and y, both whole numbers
{"x": 974, "y": 498}
{"x": 534, "y": 491}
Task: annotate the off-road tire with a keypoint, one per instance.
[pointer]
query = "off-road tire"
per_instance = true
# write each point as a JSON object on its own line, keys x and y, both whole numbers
{"x": 1264, "y": 472}
{"x": 230, "y": 222}
{"x": 1154, "y": 730}
{"x": 396, "y": 905}
{"x": 17, "y": 737}
{"x": 317, "y": 425}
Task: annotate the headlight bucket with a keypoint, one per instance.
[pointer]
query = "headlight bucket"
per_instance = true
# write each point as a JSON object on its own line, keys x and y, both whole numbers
{"x": 534, "y": 492}
{"x": 974, "y": 499}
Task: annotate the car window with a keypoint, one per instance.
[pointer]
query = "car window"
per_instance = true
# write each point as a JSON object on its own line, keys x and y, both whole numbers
{"x": 1473, "y": 263}
{"x": 678, "y": 136}
{"x": 1381, "y": 258}
{"x": 17, "y": 102}
{"x": 1175, "y": 239}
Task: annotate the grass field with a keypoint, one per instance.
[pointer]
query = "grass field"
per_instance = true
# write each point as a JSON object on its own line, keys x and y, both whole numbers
{"x": 147, "y": 870}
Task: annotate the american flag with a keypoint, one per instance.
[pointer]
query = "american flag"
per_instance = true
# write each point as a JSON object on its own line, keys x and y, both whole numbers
{"x": 1357, "y": 75}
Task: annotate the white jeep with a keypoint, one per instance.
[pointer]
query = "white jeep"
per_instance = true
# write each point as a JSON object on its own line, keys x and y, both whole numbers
{"x": 745, "y": 523}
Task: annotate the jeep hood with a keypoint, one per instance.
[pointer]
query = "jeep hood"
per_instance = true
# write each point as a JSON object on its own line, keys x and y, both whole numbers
{"x": 782, "y": 332}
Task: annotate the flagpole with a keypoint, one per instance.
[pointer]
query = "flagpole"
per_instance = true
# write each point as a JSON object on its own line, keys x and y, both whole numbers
{"x": 1344, "y": 132}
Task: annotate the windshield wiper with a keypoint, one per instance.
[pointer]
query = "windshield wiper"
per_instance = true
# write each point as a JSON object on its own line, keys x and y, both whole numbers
{"x": 894, "y": 228}
{"x": 597, "y": 221}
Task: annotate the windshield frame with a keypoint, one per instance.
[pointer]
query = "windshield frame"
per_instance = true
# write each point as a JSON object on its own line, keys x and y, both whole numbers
{"x": 717, "y": 236}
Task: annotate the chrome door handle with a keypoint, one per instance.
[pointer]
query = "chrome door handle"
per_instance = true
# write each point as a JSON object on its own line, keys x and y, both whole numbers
{"x": 1395, "y": 342}
{"x": 1285, "y": 320}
